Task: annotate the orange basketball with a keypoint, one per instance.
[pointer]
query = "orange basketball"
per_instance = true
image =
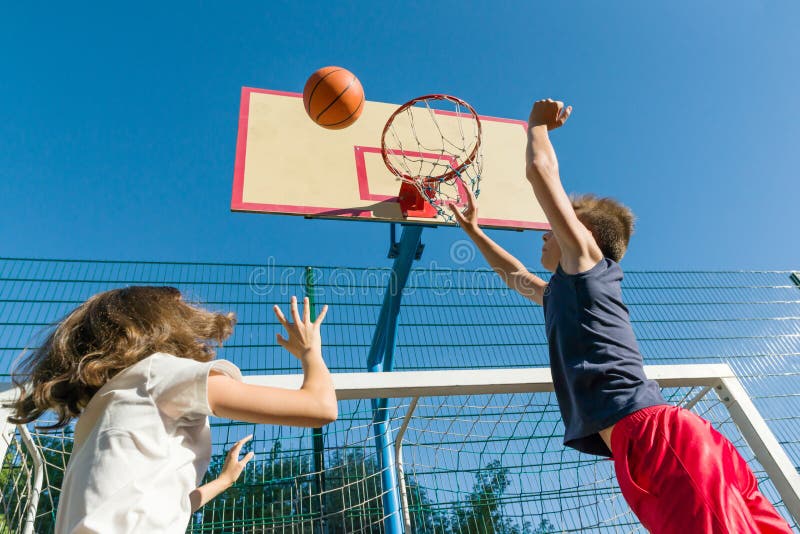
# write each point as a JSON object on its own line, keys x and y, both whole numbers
{"x": 333, "y": 97}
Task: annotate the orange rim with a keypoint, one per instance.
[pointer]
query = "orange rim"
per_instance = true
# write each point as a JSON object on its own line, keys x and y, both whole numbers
{"x": 453, "y": 172}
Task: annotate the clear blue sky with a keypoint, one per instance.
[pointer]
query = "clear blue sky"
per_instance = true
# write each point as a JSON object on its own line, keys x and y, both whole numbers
{"x": 118, "y": 124}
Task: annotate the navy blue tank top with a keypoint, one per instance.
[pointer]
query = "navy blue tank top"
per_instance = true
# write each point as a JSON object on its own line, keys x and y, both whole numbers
{"x": 597, "y": 369}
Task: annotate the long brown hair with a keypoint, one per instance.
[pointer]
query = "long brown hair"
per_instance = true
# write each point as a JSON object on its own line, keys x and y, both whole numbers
{"x": 105, "y": 335}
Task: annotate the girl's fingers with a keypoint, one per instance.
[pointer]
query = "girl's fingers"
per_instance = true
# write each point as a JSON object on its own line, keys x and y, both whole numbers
{"x": 279, "y": 315}
{"x": 306, "y": 310}
{"x": 238, "y": 445}
{"x": 234, "y": 452}
{"x": 322, "y": 315}
{"x": 282, "y": 341}
{"x": 295, "y": 315}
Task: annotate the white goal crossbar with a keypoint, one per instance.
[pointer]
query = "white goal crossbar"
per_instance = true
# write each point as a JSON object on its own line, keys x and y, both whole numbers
{"x": 717, "y": 377}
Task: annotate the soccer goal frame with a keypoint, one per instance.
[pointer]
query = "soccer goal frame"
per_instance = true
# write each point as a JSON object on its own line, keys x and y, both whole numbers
{"x": 700, "y": 380}
{"x": 718, "y": 378}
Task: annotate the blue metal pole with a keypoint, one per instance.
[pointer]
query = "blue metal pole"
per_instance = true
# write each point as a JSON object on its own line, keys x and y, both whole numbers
{"x": 317, "y": 435}
{"x": 381, "y": 358}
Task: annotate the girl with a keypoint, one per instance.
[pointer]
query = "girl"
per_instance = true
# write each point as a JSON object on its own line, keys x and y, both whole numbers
{"x": 136, "y": 367}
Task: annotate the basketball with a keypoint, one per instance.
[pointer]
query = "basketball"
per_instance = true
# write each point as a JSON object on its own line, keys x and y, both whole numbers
{"x": 333, "y": 97}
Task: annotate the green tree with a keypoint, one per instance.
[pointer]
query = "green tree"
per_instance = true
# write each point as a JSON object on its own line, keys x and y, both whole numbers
{"x": 14, "y": 479}
{"x": 282, "y": 494}
{"x": 426, "y": 516}
{"x": 483, "y": 512}
{"x": 272, "y": 495}
{"x": 545, "y": 527}
{"x": 353, "y": 497}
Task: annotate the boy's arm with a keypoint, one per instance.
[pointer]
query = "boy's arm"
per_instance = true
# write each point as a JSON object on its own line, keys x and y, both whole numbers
{"x": 313, "y": 405}
{"x": 230, "y": 473}
{"x": 579, "y": 251}
{"x": 509, "y": 268}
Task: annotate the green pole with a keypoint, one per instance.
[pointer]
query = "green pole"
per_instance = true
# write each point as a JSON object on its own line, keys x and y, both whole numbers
{"x": 317, "y": 437}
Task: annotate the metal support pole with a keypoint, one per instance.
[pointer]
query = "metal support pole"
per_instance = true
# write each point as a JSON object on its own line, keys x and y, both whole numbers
{"x": 697, "y": 398}
{"x": 398, "y": 451}
{"x": 381, "y": 359}
{"x": 34, "y": 484}
{"x": 758, "y": 435}
{"x": 317, "y": 436}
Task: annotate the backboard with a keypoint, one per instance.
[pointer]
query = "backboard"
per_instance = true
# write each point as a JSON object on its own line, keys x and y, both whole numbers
{"x": 286, "y": 164}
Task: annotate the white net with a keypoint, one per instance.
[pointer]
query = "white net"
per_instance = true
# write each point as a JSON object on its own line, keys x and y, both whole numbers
{"x": 474, "y": 464}
{"x": 434, "y": 143}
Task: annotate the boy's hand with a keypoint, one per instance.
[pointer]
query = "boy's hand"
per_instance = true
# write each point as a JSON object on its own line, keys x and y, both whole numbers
{"x": 469, "y": 219}
{"x": 304, "y": 336}
{"x": 550, "y": 113}
{"x": 233, "y": 466}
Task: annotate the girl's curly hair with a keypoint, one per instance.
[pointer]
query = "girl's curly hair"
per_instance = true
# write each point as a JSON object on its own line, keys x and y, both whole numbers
{"x": 106, "y": 334}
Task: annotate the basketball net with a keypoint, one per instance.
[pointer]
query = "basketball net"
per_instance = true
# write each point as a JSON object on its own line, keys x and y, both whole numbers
{"x": 433, "y": 145}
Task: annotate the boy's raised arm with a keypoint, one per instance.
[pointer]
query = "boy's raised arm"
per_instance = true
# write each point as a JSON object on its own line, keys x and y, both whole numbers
{"x": 509, "y": 268}
{"x": 579, "y": 251}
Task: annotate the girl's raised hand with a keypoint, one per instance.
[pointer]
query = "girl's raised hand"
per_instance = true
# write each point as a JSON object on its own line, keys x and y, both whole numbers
{"x": 234, "y": 466}
{"x": 304, "y": 335}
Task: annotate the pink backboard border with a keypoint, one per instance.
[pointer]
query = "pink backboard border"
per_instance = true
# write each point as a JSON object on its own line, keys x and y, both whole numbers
{"x": 238, "y": 204}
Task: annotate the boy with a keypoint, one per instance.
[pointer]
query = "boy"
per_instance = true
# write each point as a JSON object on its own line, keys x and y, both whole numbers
{"x": 676, "y": 472}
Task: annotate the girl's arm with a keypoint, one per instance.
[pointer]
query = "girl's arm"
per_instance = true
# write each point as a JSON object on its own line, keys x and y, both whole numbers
{"x": 313, "y": 405}
{"x": 230, "y": 473}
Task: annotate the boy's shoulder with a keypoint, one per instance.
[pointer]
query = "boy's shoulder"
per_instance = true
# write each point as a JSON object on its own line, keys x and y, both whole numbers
{"x": 601, "y": 282}
{"x": 605, "y": 269}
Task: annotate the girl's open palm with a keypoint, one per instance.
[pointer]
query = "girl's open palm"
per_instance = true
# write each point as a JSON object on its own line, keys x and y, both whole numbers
{"x": 234, "y": 466}
{"x": 304, "y": 335}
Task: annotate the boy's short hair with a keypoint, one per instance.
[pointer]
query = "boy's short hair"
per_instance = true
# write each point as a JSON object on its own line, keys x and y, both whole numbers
{"x": 609, "y": 221}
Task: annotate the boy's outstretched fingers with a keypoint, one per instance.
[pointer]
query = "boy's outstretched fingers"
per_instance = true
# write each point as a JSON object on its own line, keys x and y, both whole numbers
{"x": 456, "y": 213}
{"x": 469, "y": 217}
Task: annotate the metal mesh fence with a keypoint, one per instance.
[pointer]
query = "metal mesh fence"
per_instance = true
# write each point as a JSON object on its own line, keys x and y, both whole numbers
{"x": 515, "y": 475}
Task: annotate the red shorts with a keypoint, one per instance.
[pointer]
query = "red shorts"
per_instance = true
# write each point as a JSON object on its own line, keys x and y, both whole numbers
{"x": 681, "y": 476}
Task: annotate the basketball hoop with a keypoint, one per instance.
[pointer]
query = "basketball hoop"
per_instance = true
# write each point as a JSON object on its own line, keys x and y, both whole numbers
{"x": 433, "y": 145}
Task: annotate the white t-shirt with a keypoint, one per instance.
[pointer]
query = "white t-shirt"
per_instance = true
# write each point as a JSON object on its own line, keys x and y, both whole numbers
{"x": 142, "y": 444}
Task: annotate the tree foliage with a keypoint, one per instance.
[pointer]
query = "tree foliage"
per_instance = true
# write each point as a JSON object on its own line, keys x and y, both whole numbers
{"x": 15, "y": 482}
{"x": 281, "y": 493}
